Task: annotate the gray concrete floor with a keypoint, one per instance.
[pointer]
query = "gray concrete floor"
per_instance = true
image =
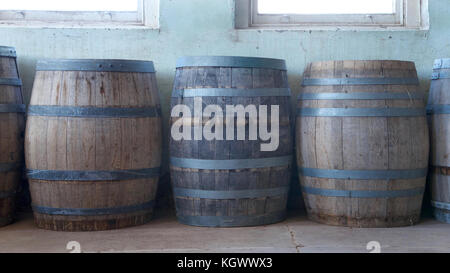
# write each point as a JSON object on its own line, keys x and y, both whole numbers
{"x": 164, "y": 234}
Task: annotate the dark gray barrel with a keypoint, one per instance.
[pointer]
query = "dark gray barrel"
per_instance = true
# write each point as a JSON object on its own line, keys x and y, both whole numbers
{"x": 226, "y": 182}
{"x": 11, "y": 130}
{"x": 439, "y": 115}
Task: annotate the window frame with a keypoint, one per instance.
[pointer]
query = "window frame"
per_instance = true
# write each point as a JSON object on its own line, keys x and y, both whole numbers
{"x": 412, "y": 14}
{"x": 147, "y": 16}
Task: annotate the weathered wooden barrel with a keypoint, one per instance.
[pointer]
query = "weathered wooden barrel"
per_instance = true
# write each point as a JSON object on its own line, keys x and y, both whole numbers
{"x": 230, "y": 180}
{"x": 439, "y": 110}
{"x": 12, "y": 123}
{"x": 93, "y": 144}
{"x": 362, "y": 143}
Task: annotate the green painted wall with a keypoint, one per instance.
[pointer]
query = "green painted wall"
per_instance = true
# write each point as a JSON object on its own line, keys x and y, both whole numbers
{"x": 205, "y": 27}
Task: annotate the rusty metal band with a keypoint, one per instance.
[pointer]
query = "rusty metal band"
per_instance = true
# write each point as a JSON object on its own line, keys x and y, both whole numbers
{"x": 52, "y": 175}
{"x": 93, "y": 212}
{"x": 438, "y": 109}
{"x": 205, "y": 164}
{"x": 11, "y": 81}
{"x": 441, "y": 205}
{"x": 362, "y": 96}
{"x": 364, "y": 174}
{"x": 129, "y": 66}
{"x": 232, "y": 221}
{"x": 359, "y": 81}
{"x": 440, "y": 75}
{"x": 92, "y": 112}
{"x": 361, "y": 112}
{"x": 231, "y": 61}
{"x": 12, "y": 108}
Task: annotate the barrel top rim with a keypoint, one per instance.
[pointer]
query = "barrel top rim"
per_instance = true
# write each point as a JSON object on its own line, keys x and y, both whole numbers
{"x": 8, "y": 47}
{"x": 126, "y": 65}
{"x": 7, "y": 51}
{"x": 443, "y": 63}
{"x": 94, "y": 60}
{"x": 231, "y": 61}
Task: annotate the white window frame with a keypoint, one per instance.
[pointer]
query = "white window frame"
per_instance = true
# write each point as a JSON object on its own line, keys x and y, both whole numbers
{"x": 411, "y": 14}
{"x": 147, "y": 16}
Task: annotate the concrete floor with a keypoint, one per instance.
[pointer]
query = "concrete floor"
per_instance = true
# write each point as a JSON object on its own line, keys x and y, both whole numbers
{"x": 164, "y": 234}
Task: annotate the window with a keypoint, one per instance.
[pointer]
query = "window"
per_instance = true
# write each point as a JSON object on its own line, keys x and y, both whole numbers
{"x": 80, "y": 13}
{"x": 387, "y": 14}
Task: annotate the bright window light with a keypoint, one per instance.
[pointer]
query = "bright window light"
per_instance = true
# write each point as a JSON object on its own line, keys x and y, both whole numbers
{"x": 70, "y": 5}
{"x": 326, "y": 6}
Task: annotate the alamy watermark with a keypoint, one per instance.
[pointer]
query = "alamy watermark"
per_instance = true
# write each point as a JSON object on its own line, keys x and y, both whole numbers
{"x": 74, "y": 247}
{"x": 208, "y": 123}
{"x": 374, "y": 247}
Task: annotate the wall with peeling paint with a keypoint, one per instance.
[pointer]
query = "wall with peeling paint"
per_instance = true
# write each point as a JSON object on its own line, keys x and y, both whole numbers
{"x": 205, "y": 27}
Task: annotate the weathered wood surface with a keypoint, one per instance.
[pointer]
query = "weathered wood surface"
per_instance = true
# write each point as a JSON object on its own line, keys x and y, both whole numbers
{"x": 362, "y": 143}
{"x": 95, "y": 144}
{"x": 440, "y": 142}
{"x": 237, "y": 179}
{"x": 11, "y": 140}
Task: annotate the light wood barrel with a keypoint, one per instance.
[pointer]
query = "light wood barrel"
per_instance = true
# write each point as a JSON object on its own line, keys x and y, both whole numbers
{"x": 93, "y": 144}
{"x": 362, "y": 143}
{"x": 439, "y": 110}
{"x": 12, "y": 123}
{"x": 231, "y": 182}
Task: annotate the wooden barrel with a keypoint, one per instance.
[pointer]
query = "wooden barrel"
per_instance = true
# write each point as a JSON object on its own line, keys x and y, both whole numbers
{"x": 12, "y": 123}
{"x": 230, "y": 180}
{"x": 439, "y": 110}
{"x": 93, "y": 144}
{"x": 362, "y": 143}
